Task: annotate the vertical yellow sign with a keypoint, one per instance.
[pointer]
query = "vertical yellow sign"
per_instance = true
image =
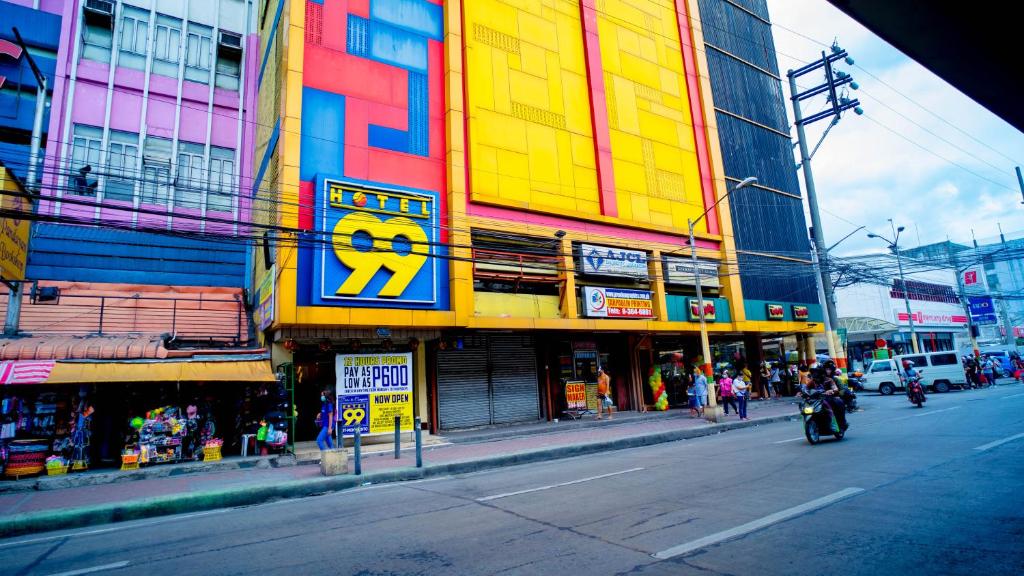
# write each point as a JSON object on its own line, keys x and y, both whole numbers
{"x": 13, "y": 232}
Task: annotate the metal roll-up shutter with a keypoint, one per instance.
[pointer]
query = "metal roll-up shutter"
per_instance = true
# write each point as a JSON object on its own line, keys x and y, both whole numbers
{"x": 514, "y": 379}
{"x": 463, "y": 400}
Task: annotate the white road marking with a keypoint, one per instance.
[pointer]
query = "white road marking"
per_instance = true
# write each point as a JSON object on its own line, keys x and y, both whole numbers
{"x": 990, "y": 445}
{"x": 790, "y": 440}
{"x": 1012, "y": 396}
{"x": 756, "y": 524}
{"x": 928, "y": 413}
{"x": 117, "y": 528}
{"x": 560, "y": 484}
{"x": 113, "y": 566}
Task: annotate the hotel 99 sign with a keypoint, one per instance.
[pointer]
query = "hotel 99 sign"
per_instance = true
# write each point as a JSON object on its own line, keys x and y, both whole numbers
{"x": 381, "y": 247}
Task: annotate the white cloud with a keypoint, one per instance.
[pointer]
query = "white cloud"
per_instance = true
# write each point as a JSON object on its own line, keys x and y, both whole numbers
{"x": 925, "y": 168}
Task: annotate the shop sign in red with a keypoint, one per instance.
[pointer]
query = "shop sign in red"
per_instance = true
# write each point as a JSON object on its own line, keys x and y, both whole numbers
{"x": 776, "y": 312}
{"x": 800, "y": 313}
{"x": 576, "y": 395}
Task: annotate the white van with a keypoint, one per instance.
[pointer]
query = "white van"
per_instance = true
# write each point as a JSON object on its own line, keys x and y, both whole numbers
{"x": 940, "y": 371}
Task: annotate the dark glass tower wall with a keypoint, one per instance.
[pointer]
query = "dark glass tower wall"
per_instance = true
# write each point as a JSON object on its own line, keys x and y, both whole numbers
{"x": 750, "y": 109}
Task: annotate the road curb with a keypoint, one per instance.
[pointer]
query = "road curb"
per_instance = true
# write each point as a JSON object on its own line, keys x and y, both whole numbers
{"x": 34, "y": 522}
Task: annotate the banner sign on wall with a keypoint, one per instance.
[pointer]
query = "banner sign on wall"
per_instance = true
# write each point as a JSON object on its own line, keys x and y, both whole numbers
{"x": 617, "y": 303}
{"x": 800, "y": 313}
{"x": 264, "y": 313}
{"x": 776, "y": 311}
{"x": 607, "y": 261}
{"x": 372, "y": 389}
{"x": 680, "y": 271}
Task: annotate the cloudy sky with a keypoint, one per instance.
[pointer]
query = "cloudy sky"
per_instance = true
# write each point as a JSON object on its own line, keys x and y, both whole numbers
{"x": 923, "y": 153}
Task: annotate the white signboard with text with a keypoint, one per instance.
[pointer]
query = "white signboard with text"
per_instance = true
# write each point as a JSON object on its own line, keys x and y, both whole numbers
{"x": 372, "y": 389}
{"x": 607, "y": 261}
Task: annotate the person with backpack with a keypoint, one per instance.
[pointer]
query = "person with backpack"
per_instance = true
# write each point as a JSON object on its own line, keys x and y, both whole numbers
{"x": 726, "y": 392}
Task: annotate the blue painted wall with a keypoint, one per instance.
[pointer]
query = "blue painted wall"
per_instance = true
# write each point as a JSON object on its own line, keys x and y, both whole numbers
{"x": 41, "y": 32}
{"x": 86, "y": 254}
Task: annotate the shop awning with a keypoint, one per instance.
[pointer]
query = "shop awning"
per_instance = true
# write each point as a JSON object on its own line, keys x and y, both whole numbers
{"x": 30, "y": 372}
{"x": 187, "y": 371}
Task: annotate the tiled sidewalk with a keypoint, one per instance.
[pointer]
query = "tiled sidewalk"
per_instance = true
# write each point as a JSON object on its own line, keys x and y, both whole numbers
{"x": 520, "y": 439}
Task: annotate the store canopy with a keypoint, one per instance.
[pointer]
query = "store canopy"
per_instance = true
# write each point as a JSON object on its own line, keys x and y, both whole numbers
{"x": 865, "y": 325}
{"x": 187, "y": 371}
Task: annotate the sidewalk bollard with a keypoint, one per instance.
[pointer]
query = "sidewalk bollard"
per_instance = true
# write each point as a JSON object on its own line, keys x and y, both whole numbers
{"x": 419, "y": 442}
{"x": 356, "y": 444}
{"x": 398, "y": 437}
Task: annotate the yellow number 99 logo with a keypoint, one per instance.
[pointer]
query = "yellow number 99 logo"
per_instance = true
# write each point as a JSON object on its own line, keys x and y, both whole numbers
{"x": 352, "y": 416}
{"x": 383, "y": 253}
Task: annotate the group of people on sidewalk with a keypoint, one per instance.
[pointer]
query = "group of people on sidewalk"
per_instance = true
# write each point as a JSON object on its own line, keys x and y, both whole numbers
{"x": 985, "y": 369}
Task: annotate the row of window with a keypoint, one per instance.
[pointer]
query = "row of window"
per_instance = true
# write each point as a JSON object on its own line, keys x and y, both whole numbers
{"x": 153, "y": 185}
{"x": 924, "y": 291}
{"x": 170, "y": 43}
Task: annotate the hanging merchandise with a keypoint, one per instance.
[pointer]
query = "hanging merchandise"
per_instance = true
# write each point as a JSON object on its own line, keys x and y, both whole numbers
{"x": 160, "y": 436}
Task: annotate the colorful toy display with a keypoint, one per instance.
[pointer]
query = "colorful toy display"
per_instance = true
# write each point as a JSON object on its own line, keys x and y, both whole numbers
{"x": 658, "y": 388}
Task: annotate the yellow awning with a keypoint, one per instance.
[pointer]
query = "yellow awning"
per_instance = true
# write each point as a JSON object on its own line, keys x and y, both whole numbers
{"x": 99, "y": 372}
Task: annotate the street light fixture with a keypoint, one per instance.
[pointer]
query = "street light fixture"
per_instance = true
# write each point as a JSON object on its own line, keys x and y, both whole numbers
{"x": 713, "y": 409}
{"x": 894, "y": 244}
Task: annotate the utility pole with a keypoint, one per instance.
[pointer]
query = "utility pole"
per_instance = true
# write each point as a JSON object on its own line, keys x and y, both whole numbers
{"x": 961, "y": 294}
{"x": 16, "y": 286}
{"x": 833, "y": 81}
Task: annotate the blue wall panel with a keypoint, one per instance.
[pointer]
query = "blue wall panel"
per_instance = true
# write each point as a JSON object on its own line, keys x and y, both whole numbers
{"x": 88, "y": 254}
{"x": 418, "y": 16}
{"x": 323, "y": 132}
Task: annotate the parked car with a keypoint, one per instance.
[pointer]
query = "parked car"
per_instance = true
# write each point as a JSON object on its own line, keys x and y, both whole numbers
{"x": 940, "y": 371}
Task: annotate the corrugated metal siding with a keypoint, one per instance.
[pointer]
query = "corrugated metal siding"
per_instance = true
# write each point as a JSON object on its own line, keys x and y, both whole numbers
{"x": 87, "y": 254}
{"x": 463, "y": 396}
{"x": 739, "y": 33}
{"x": 514, "y": 379}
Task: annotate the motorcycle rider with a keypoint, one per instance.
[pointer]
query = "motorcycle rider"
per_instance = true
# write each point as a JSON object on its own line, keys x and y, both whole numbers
{"x": 912, "y": 375}
{"x": 822, "y": 380}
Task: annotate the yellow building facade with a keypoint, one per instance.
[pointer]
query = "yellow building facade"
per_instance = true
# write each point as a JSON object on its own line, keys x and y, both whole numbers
{"x": 500, "y": 188}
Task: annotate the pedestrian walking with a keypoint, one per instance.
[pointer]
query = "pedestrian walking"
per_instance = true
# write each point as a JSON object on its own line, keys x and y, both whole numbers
{"x": 989, "y": 370}
{"x": 775, "y": 380}
{"x": 604, "y": 393}
{"x": 700, "y": 390}
{"x": 742, "y": 390}
{"x": 763, "y": 388}
{"x": 325, "y": 420}
{"x": 726, "y": 392}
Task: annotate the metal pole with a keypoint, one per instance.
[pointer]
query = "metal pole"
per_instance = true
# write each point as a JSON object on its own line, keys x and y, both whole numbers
{"x": 398, "y": 437}
{"x": 963, "y": 299}
{"x": 419, "y": 441}
{"x": 906, "y": 301}
{"x": 819, "y": 237}
{"x": 357, "y": 445}
{"x": 13, "y": 318}
{"x": 828, "y": 322}
{"x": 712, "y": 411}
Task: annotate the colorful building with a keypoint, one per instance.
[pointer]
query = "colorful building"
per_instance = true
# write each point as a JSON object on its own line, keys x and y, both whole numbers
{"x": 503, "y": 189}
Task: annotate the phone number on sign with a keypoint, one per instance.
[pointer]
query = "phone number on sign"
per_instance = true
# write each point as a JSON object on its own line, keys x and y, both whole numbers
{"x": 636, "y": 312}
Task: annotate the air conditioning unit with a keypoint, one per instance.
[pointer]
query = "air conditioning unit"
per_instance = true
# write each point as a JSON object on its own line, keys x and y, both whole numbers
{"x": 100, "y": 13}
{"x": 229, "y": 44}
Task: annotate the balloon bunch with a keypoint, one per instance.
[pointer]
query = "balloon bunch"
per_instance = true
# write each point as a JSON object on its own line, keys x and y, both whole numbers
{"x": 658, "y": 388}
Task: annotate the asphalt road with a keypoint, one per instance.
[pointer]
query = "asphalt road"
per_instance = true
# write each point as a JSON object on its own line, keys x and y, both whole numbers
{"x": 936, "y": 490}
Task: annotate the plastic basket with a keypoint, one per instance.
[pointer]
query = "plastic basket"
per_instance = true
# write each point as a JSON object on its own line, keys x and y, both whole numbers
{"x": 56, "y": 470}
{"x": 211, "y": 453}
{"x": 130, "y": 461}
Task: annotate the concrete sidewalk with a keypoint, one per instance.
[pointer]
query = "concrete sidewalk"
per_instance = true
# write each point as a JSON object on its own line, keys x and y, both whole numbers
{"x": 126, "y": 498}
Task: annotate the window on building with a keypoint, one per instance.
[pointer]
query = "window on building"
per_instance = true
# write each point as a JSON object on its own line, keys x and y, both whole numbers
{"x": 134, "y": 36}
{"x": 122, "y": 154}
{"x": 188, "y": 182}
{"x": 96, "y": 42}
{"x": 222, "y": 179}
{"x": 167, "y": 51}
{"x": 156, "y": 170}
{"x": 198, "y": 53}
{"x": 229, "y": 71}
{"x": 85, "y": 159}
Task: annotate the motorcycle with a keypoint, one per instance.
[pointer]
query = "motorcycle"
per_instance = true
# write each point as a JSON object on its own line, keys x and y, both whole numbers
{"x": 915, "y": 391}
{"x": 817, "y": 418}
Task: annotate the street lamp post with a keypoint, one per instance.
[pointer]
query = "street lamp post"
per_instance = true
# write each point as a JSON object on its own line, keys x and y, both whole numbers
{"x": 713, "y": 411}
{"x": 894, "y": 244}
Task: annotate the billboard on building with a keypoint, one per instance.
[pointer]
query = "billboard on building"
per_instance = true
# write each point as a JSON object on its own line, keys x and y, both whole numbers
{"x": 372, "y": 390}
{"x": 680, "y": 271}
{"x": 607, "y": 261}
{"x": 617, "y": 303}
